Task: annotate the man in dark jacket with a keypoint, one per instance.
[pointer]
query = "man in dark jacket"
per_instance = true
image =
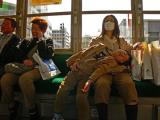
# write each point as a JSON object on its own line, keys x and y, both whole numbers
{"x": 8, "y": 43}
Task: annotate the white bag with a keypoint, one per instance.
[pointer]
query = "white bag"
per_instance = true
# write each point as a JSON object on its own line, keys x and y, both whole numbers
{"x": 47, "y": 68}
{"x": 147, "y": 73}
{"x": 136, "y": 64}
{"x": 141, "y": 65}
{"x": 155, "y": 51}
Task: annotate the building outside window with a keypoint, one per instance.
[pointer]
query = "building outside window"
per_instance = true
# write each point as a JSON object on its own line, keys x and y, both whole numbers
{"x": 72, "y": 23}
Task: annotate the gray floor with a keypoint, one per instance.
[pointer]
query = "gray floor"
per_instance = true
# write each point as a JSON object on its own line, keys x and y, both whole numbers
{"x": 6, "y": 118}
{"x": 25, "y": 118}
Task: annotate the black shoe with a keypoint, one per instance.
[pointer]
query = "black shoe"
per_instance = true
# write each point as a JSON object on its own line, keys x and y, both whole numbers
{"x": 35, "y": 114}
{"x": 14, "y": 110}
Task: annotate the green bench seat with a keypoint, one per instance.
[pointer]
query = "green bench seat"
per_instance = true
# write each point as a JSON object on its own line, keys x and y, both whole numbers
{"x": 145, "y": 88}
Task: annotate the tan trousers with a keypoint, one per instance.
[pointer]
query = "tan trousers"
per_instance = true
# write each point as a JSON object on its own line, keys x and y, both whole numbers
{"x": 123, "y": 83}
{"x": 71, "y": 80}
{"x": 26, "y": 84}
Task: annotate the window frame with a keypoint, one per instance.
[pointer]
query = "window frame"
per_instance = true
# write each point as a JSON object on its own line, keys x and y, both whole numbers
{"x": 76, "y": 20}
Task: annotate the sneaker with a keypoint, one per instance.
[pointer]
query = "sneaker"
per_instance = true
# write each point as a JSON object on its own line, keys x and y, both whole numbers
{"x": 57, "y": 117}
{"x": 14, "y": 111}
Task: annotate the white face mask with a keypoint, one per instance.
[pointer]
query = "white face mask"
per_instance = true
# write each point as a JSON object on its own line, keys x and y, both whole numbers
{"x": 109, "y": 25}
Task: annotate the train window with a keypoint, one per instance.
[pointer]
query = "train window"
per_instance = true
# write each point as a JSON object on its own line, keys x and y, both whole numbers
{"x": 151, "y": 5}
{"x": 59, "y": 30}
{"x": 63, "y": 7}
{"x": 151, "y": 27}
{"x": 8, "y": 7}
{"x": 92, "y": 28}
{"x": 88, "y": 5}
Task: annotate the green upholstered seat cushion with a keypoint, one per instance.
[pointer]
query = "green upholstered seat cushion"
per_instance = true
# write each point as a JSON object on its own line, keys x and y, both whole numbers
{"x": 144, "y": 88}
{"x": 60, "y": 61}
{"x": 48, "y": 86}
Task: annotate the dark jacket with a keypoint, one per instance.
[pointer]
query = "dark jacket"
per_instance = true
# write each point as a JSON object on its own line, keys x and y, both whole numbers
{"x": 9, "y": 51}
{"x": 44, "y": 48}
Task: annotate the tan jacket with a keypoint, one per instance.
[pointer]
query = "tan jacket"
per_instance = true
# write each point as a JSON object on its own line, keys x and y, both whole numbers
{"x": 119, "y": 44}
{"x": 98, "y": 49}
{"x": 86, "y": 54}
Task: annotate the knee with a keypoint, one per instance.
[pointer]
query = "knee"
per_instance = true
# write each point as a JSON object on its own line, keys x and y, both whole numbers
{"x": 24, "y": 81}
{"x": 129, "y": 86}
{"x": 6, "y": 80}
{"x": 101, "y": 86}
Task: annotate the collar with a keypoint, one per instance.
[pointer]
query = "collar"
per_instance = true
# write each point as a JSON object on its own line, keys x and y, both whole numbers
{"x": 112, "y": 40}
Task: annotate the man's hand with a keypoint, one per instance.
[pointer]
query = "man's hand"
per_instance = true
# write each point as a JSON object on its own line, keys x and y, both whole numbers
{"x": 87, "y": 86}
{"x": 74, "y": 66}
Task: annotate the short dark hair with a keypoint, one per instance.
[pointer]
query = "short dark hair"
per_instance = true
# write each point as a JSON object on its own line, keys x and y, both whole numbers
{"x": 42, "y": 23}
{"x": 13, "y": 21}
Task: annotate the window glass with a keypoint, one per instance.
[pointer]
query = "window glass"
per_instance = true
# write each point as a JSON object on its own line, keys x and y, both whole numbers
{"x": 59, "y": 30}
{"x": 63, "y": 7}
{"x": 151, "y": 27}
{"x": 106, "y": 5}
{"x": 92, "y": 25}
{"x": 151, "y": 5}
{"x": 8, "y": 7}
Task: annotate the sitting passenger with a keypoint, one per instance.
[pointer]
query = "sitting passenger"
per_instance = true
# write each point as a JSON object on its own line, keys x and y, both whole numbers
{"x": 26, "y": 80}
{"x": 8, "y": 43}
{"x": 110, "y": 36}
{"x": 82, "y": 64}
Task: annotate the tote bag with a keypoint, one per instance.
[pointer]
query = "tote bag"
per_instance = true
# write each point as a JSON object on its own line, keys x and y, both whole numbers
{"x": 47, "y": 67}
{"x": 155, "y": 56}
{"x": 136, "y": 65}
{"x": 147, "y": 73}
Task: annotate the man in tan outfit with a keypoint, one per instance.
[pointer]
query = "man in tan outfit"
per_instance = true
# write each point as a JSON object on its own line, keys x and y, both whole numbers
{"x": 82, "y": 65}
{"x": 109, "y": 65}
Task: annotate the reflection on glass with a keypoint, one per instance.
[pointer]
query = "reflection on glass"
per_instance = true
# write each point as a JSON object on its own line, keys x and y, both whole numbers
{"x": 59, "y": 30}
{"x": 63, "y": 7}
{"x": 92, "y": 28}
{"x": 8, "y": 7}
{"x": 151, "y": 27}
{"x": 151, "y": 5}
{"x": 106, "y": 5}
